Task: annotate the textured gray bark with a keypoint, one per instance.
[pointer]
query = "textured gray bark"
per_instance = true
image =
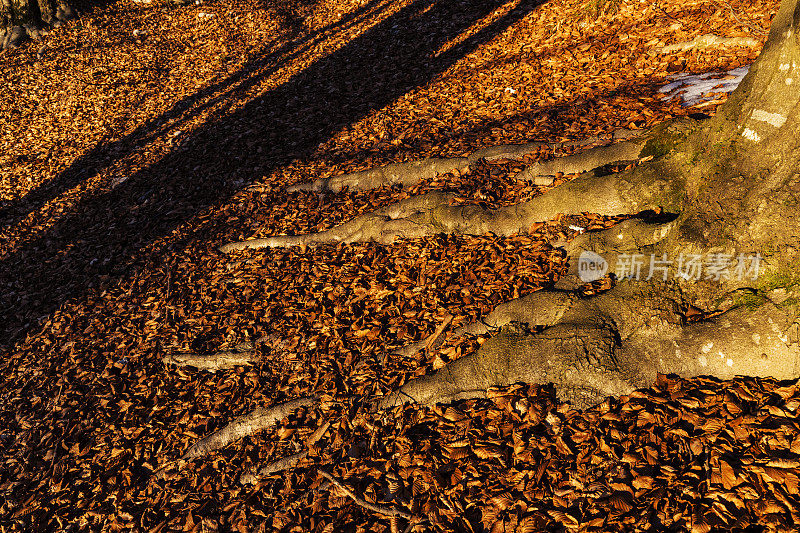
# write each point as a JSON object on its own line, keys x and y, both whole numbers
{"x": 23, "y": 19}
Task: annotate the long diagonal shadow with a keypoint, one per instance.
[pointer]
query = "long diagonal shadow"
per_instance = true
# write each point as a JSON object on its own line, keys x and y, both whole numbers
{"x": 272, "y": 55}
{"x": 107, "y": 232}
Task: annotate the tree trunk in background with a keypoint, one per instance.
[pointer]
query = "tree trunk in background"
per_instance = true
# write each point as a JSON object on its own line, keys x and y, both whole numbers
{"x": 20, "y": 19}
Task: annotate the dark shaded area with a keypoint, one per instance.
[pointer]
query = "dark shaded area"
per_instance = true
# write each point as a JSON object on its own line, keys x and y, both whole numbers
{"x": 290, "y": 13}
{"x": 102, "y": 238}
{"x": 272, "y": 56}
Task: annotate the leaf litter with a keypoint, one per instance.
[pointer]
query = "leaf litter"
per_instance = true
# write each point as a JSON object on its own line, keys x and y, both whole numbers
{"x": 133, "y": 147}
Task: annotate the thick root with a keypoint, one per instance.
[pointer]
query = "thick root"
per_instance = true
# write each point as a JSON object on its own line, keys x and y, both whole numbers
{"x": 611, "y": 344}
{"x": 632, "y": 236}
{"x": 430, "y": 214}
{"x": 591, "y": 359}
{"x": 243, "y": 354}
{"x": 412, "y": 218}
{"x": 579, "y": 358}
{"x": 547, "y": 307}
{"x": 541, "y": 308}
{"x": 244, "y": 426}
{"x": 14, "y": 36}
{"x": 585, "y": 161}
{"x": 741, "y": 342}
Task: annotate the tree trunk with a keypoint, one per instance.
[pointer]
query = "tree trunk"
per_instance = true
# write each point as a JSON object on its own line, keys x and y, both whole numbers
{"x": 730, "y": 187}
{"x": 21, "y": 19}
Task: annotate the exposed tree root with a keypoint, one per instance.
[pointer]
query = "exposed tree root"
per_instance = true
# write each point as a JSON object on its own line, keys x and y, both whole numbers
{"x": 579, "y": 350}
{"x": 246, "y": 425}
{"x": 405, "y": 174}
{"x": 607, "y": 345}
{"x": 213, "y": 362}
{"x": 549, "y": 336}
{"x": 610, "y": 345}
{"x": 406, "y": 217}
{"x": 545, "y": 307}
{"x": 518, "y": 151}
{"x": 428, "y": 342}
{"x": 379, "y": 509}
{"x": 252, "y": 476}
{"x": 630, "y": 236}
{"x": 46, "y": 13}
{"x": 723, "y": 192}
{"x": 408, "y": 174}
{"x": 709, "y": 40}
{"x": 578, "y": 358}
{"x": 430, "y": 214}
{"x": 585, "y": 161}
{"x": 243, "y": 354}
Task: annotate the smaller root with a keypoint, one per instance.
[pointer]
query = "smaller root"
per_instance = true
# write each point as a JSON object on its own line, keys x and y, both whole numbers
{"x": 382, "y": 510}
{"x": 213, "y": 362}
{"x": 405, "y": 174}
{"x": 410, "y": 173}
{"x": 246, "y": 425}
{"x": 584, "y": 161}
{"x": 518, "y": 151}
{"x": 253, "y": 475}
{"x": 709, "y": 40}
{"x": 431, "y": 213}
{"x": 403, "y": 219}
{"x": 410, "y": 349}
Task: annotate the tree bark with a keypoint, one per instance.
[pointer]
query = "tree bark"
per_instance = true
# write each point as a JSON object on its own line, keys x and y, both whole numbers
{"x": 23, "y": 19}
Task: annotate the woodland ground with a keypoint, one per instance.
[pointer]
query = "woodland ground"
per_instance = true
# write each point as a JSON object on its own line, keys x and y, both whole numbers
{"x": 140, "y": 137}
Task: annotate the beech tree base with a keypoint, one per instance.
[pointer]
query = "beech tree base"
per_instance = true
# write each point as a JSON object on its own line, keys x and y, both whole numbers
{"x": 22, "y": 21}
{"x": 726, "y": 188}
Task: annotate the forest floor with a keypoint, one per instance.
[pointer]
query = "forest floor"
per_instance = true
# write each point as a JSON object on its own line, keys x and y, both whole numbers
{"x": 143, "y": 135}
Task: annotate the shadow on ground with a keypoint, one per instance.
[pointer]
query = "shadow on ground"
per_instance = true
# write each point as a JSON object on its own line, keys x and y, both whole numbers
{"x": 110, "y": 232}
